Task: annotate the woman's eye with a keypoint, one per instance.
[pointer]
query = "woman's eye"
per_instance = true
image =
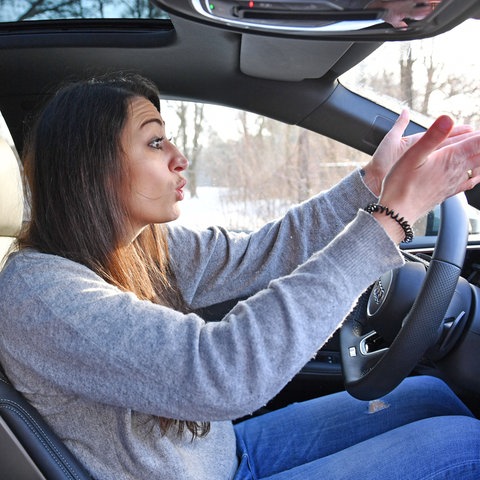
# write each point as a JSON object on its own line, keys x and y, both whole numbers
{"x": 157, "y": 143}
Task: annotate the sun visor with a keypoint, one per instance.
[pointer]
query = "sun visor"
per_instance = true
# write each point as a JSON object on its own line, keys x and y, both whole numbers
{"x": 287, "y": 59}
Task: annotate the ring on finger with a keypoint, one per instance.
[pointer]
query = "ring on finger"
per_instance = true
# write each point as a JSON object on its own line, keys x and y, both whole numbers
{"x": 470, "y": 173}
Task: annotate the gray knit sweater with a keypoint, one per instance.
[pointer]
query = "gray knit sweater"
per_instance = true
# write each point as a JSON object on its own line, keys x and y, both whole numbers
{"x": 99, "y": 364}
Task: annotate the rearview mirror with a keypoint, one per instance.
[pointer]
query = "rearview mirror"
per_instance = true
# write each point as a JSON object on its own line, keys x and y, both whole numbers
{"x": 377, "y": 20}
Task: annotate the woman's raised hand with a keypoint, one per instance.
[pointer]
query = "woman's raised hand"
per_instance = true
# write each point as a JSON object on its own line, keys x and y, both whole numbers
{"x": 394, "y": 145}
{"x": 436, "y": 165}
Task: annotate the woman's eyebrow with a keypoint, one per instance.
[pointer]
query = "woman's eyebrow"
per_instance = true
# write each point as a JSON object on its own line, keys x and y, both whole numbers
{"x": 152, "y": 120}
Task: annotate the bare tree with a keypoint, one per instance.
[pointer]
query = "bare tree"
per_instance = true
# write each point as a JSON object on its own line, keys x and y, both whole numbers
{"x": 407, "y": 63}
{"x": 421, "y": 76}
{"x": 140, "y": 9}
{"x": 303, "y": 159}
{"x": 191, "y": 124}
{"x": 48, "y": 9}
{"x": 273, "y": 165}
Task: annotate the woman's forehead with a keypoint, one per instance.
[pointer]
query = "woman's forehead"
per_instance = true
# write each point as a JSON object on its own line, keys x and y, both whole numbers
{"x": 143, "y": 112}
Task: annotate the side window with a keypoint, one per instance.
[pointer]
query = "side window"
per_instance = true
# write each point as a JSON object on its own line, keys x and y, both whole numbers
{"x": 246, "y": 169}
{"x": 430, "y": 225}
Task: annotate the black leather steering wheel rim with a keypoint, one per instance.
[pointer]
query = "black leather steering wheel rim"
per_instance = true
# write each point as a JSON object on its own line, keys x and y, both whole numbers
{"x": 368, "y": 376}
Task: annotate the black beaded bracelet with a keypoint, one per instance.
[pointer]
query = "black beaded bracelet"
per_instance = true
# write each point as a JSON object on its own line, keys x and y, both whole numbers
{"x": 407, "y": 229}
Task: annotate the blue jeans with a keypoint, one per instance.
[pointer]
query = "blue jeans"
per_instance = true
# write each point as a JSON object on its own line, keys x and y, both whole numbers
{"x": 420, "y": 431}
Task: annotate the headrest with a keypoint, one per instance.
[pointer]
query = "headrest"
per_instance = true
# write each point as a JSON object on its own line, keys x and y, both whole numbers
{"x": 11, "y": 192}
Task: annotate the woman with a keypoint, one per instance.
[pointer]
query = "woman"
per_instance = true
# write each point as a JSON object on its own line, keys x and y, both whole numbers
{"x": 137, "y": 385}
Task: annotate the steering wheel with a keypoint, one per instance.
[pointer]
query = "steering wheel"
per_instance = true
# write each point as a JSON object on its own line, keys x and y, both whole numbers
{"x": 369, "y": 372}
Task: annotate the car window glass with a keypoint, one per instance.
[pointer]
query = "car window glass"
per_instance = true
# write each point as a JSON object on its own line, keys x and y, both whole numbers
{"x": 430, "y": 77}
{"x": 247, "y": 169}
{"x": 28, "y": 10}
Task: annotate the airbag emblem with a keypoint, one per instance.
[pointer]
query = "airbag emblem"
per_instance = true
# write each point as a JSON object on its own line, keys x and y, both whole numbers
{"x": 378, "y": 292}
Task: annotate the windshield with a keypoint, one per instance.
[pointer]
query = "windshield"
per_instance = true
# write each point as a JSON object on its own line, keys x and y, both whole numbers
{"x": 31, "y": 10}
{"x": 431, "y": 76}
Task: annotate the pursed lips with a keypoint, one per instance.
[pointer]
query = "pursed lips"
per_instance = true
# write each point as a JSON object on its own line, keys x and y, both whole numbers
{"x": 180, "y": 188}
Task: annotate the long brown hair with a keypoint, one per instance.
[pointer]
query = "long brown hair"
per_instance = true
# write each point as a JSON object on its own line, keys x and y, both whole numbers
{"x": 75, "y": 172}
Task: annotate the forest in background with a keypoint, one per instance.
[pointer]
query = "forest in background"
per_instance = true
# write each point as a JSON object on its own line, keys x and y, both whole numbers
{"x": 264, "y": 166}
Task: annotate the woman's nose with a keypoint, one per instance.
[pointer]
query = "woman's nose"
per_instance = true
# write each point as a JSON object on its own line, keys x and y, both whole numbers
{"x": 178, "y": 162}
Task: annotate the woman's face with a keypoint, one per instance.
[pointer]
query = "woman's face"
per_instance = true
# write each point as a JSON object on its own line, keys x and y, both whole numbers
{"x": 154, "y": 165}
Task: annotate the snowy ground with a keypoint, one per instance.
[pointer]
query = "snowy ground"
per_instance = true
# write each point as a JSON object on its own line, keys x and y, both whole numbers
{"x": 211, "y": 209}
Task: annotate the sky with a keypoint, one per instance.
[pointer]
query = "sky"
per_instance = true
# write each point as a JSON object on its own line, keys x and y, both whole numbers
{"x": 455, "y": 51}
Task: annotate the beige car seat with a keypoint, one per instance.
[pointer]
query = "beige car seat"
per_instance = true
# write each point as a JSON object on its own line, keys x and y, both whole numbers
{"x": 11, "y": 199}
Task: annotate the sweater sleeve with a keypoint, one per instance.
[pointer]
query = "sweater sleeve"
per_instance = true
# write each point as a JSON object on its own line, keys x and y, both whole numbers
{"x": 87, "y": 339}
{"x": 235, "y": 265}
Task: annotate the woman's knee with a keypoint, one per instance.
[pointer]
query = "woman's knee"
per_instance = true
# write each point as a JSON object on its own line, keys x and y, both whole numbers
{"x": 450, "y": 446}
{"x": 429, "y": 394}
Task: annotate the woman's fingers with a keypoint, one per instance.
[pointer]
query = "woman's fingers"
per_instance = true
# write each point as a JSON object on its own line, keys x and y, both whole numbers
{"x": 387, "y": 153}
{"x": 412, "y": 152}
{"x": 400, "y": 124}
{"x": 467, "y": 156}
{"x": 459, "y": 134}
{"x": 426, "y": 174}
{"x": 460, "y": 130}
{"x": 430, "y": 141}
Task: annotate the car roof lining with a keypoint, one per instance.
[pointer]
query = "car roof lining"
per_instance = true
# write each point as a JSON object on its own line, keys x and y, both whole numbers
{"x": 298, "y": 59}
{"x": 210, "y": 56}
{"x": 283, "y": 59}
{"x": 192, "y": 62}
